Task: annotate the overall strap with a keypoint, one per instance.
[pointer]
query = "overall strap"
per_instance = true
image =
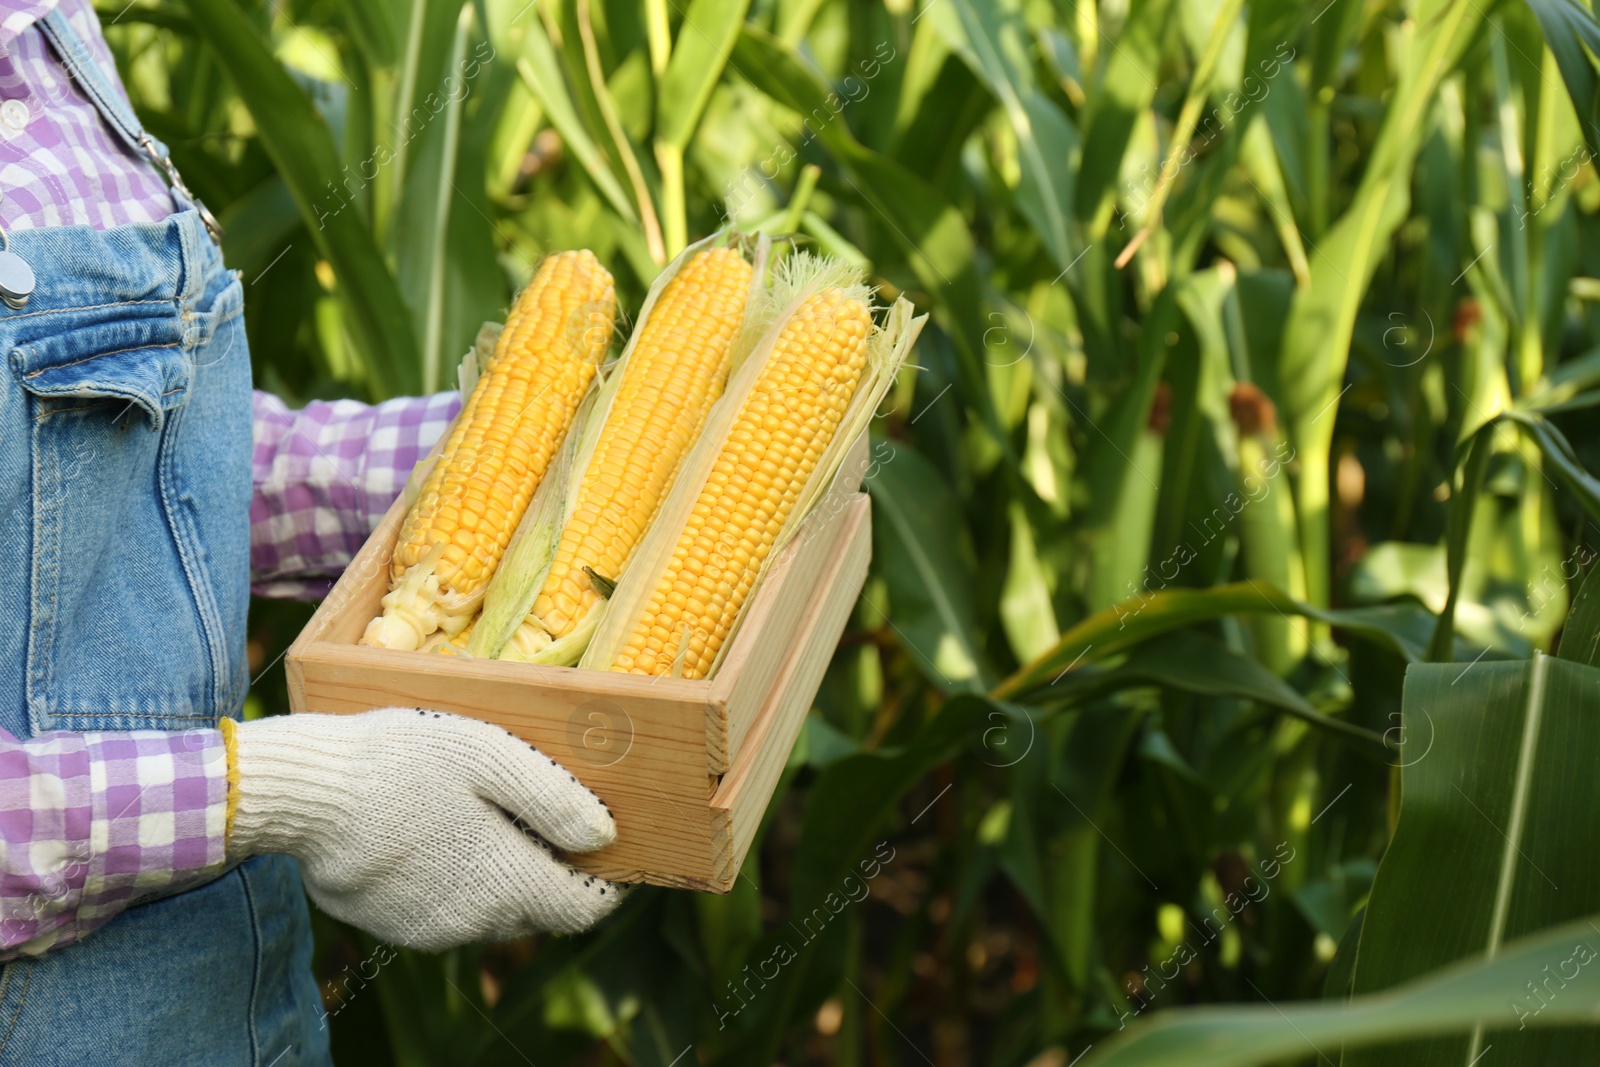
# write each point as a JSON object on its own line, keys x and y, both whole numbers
{"x": 118, "y": 113}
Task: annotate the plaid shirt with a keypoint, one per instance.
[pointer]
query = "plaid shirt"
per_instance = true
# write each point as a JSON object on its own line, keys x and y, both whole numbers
{"x": 324, "y": 476}
{"x": 60, "y": 164}
{"x": 91, "y": 823}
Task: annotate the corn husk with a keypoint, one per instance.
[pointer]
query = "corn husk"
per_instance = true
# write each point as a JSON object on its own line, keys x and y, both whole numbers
{"x": 798, "y": 279}
{"x": 504, "y": 630}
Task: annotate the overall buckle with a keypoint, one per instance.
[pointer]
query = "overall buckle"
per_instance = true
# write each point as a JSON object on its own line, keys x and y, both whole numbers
{"x": 174, "y": 179}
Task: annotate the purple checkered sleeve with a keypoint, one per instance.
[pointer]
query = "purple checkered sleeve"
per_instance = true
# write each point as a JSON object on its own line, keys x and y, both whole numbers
{"x": 91, "y": 823}
{"x": 324, "y": 476}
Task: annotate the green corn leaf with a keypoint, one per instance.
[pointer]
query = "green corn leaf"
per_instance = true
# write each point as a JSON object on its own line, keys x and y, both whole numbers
{"x": 1564, "y": 465}
{"x": 1336, "y": 986}
{"x": 541, "y": 68}
{"x": 1122, "y": 468}
{"x": 516, "y": 125}
{"x": 1449, "y": 1001}
{"x": 932, "y": 606}
{"x": 1192, "y": 662}
{"x": 1221, "y": 31}
{"x": 417, "y": 98}
{"x": 166, "y": 17}
{"x": 936, "y": 122}
{"x": 371, "y": 23}
{"x": 1498, "y": 839}
{"x": 258, "y": 226}
{"x": 426, "y": 208}
{"x": 1026, "y": 612}
{"x": 1463, "y": 502}
{"x": 303, "y": 151}
{"x": 1133, "y": 72}
{"x": 1122, "y": 626}
{"x": 1317, "y": 337}
{"x": 705, "y": 41}
{"x": 1580, "y": 639}
{"x": 990, "y": 37}
{"x": 1573, "y": 34}
{"x": 1316, "y": 344}
{"x": 477, "y": 287}
{"x": 1564, "y": 462}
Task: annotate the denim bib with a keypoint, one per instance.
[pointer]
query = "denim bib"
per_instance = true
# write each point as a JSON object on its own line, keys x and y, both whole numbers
{"x": 125, "y": 411}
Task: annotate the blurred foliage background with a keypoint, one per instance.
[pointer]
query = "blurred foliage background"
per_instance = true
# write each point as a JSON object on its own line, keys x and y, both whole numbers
{"x": 1261, "y": 351}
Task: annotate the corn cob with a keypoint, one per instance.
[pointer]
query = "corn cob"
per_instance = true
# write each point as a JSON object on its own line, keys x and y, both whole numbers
{"x": 674, "y": 372}
{"x": 554, "y": 338}
{"x": 781, "y": 430}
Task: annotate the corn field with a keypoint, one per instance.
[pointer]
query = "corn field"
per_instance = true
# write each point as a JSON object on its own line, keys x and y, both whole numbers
{"x": 1223, "y": 648}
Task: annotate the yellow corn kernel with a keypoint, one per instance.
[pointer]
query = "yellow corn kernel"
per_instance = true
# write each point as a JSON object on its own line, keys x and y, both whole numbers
{"x": 676, "y": 371}
{"x": 554, "y": 338}
{"x": 763, "y": 466}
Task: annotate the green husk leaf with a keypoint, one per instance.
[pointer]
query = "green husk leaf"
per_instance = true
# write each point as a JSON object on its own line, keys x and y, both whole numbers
{"x": 603, "y": 585}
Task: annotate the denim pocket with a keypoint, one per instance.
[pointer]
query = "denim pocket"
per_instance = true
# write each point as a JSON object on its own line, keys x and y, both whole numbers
{"x": 119, "y": 638}
{"x": 138, "y": 360}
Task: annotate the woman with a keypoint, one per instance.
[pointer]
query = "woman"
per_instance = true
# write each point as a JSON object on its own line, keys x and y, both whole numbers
{"x": 152, "y": 848}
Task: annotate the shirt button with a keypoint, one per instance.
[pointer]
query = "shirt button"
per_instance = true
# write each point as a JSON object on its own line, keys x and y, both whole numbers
{"x": 14, "y": 115}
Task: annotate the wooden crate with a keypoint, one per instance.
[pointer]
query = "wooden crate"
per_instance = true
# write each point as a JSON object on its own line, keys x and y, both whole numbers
{"x": 686, "y": 766}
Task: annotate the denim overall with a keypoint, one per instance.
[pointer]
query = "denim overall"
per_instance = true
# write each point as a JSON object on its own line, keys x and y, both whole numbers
{"x": 125, "y": 414}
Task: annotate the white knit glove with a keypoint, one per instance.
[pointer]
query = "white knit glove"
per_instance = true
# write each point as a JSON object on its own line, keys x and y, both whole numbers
{"x": 424, "y": 829}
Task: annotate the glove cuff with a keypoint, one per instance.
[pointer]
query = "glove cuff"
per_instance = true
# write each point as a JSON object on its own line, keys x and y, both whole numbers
{"x": 284, "y": 785}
